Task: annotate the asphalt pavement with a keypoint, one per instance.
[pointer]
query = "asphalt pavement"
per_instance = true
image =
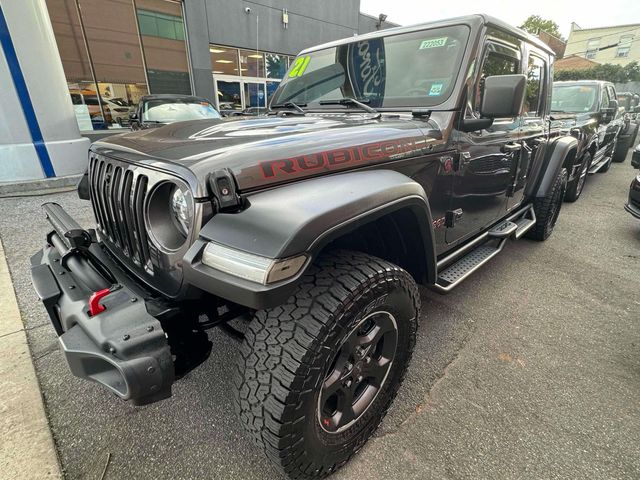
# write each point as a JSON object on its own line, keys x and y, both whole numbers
{"x": 529, "y": 370}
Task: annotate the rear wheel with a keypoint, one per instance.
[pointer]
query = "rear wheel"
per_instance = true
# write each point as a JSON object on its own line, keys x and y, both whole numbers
{"x": 621, "y": 148}
{"x": 634, "y": 134}
{"x": 547, "y": 208}
{"x": 575, "y": 186}
{"x": 316, "y": 375}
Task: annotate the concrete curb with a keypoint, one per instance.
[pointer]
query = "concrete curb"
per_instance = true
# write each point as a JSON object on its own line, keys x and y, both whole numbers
{"x": 26, "y": 444}
{"x": 13, "y": 188}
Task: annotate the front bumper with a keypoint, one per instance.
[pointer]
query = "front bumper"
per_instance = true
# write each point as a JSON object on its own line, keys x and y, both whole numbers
{"x": 123, "y": 348}
{"x": 633, "y": 210}
{"x": 633, "y": 205}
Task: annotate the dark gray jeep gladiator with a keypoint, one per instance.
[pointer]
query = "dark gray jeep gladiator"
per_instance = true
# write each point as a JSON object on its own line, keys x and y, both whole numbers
{"x": 589, "y": 111}
{"x": 390, "y": 160}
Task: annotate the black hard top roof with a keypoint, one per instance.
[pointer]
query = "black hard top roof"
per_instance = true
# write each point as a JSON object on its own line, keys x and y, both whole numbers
{"x": 471, "y": 20}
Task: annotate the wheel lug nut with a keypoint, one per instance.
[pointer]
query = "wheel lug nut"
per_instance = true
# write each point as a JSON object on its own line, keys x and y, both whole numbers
{"x": 348, "y": 383}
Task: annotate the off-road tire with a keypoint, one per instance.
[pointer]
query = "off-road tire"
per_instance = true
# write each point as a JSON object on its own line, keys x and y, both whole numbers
{"x": 622, "y": 147}
{"x": 634, "y": 134}
{"x": 575, "y": 186}
{"x": 548, "y": 208}
{"x": 288, "y": 350}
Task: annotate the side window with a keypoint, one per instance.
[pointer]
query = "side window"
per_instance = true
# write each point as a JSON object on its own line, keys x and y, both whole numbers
{"x": 612, "y": 92}
{"x": 535, "y": 78}
{"x": 604, "y": 103}
{"x": 498, "y": 60}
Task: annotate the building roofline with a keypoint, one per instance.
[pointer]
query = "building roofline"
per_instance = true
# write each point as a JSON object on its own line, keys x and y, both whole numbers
{"x": 610, "y": 26}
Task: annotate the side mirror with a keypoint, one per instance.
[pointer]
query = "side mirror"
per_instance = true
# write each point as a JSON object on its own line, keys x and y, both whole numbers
{"x": 133, "y": 116}
{"x": 503, "y": 96}
{"x": 613, "y": 105}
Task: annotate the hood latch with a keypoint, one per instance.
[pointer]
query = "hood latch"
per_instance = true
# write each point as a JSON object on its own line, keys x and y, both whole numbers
{"x": 223, "y": 187}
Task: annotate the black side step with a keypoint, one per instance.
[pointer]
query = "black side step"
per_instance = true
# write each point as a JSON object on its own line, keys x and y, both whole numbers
{"x": 453, "y": 275}
{"x": 456, "y": 267}
{"x": 602, "y": 161}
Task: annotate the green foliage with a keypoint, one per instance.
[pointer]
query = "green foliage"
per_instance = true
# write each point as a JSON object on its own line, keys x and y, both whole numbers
{"x": 535, "y": 23}
{"x": 605, "y": 71}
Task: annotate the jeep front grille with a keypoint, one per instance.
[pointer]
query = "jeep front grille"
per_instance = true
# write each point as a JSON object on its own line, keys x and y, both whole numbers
{"x": 118, "y": 193}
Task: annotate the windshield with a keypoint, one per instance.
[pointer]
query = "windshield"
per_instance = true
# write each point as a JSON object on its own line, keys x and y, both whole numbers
{"x": 169, "y": 111}
{"x": 574, "y": 98}
{"x": 416, "y": 69}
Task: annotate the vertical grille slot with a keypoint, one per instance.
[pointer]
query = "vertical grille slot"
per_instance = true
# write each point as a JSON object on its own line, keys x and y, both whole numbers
{"x": 138, "y": 209}
{"x": 127, "y": 219}
{"x": 118, "y": 197}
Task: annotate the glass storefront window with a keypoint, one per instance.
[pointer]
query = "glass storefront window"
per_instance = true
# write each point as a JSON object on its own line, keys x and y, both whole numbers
{"x": 276, "y": 65}
{"x": 156, "y": 24}
{"x": 114, "y": 47}
{"x": 229, "y": 98}
{"x": 163, "y": 42}
{"x": 224, "y": 60}
{"x": 254, "y": 95}
{"x": 251, "y": 63}
{"x": 271, "y": 89}
{"x": 106, "y": 46}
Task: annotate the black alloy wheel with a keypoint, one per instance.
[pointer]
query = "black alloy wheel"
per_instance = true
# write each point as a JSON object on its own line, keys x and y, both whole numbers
{"x": 358, "y": 372}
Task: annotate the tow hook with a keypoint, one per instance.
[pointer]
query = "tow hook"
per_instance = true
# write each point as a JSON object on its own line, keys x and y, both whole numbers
{"x": 95, "y": 307}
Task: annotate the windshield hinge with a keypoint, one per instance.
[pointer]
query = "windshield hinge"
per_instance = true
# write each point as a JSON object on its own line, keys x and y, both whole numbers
{"x": 421, "y": 113}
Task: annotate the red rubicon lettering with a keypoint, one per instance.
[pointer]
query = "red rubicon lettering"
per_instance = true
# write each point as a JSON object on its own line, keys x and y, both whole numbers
{"x": 337, "y": 158}
{"x": 271, "y": 169}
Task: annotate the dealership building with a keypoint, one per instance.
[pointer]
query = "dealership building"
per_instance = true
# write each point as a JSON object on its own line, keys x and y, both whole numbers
{"x": 232, "y": 52}
{"x": 79, "y": 67}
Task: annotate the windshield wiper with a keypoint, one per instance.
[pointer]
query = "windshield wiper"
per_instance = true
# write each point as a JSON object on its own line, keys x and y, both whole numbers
{"x": 351, "y": 101}
{"x": 296, "y": 106}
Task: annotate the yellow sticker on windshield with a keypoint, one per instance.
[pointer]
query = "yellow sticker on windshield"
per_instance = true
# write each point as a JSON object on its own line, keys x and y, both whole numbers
{"x": 433, "y": 43}
{"x": 299, "y": 66}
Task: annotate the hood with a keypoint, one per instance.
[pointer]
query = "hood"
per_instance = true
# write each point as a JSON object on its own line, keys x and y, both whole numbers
{"x": 268, "y": 150}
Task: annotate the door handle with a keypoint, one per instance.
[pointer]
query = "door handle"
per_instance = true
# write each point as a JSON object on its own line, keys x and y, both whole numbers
{"x": 510, "y": 147}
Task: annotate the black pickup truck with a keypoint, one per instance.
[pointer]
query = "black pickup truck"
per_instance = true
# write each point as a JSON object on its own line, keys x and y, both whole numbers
{"x": 405, "y": 157}
{"x": 589, "y": 111}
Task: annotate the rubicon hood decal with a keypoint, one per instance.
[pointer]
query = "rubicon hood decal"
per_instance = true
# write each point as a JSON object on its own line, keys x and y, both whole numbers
{"x": 264, "y": 151}
{"x": 342, "y": 157}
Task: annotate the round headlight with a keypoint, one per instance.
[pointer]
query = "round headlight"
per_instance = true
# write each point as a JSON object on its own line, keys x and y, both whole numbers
{"x": 170, "y": 215}
{"x": 182, "y": 209}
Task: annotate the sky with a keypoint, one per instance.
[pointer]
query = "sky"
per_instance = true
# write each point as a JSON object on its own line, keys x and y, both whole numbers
{"x": 563, "y": 12}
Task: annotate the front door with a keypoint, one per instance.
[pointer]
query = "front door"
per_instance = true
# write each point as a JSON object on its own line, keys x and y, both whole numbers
{"x": 487, "y": 158}
{"x": 534, "y": 122}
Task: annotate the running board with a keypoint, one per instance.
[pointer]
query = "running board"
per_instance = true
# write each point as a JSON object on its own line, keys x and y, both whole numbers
{"x": 481, "y": 250}
{"x": 597, "y": 167}
{"x": 455, "y": 274}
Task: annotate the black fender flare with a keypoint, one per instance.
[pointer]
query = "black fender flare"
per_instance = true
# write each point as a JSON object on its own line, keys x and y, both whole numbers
{"x": 302, "y": 218}
{"x": 555, "y": 157}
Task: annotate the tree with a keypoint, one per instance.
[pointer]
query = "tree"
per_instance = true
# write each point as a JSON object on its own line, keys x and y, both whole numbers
{"x": 606, "y": 71}
{"x": 535, "y": 23}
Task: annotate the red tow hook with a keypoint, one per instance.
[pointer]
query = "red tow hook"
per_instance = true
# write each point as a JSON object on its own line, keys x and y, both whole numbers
{"x": 95, "y": 307}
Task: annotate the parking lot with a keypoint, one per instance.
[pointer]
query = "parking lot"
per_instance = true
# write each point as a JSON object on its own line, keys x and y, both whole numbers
{"x": 528, "y": 370}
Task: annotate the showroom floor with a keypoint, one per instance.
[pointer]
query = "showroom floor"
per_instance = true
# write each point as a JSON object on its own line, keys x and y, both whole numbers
{"x": 528, "y": 370}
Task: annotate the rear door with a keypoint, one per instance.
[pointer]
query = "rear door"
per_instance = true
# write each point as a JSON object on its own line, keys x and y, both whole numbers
{"x": 483, "y": 174}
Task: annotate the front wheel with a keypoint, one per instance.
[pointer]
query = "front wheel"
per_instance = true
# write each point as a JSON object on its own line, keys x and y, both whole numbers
{"x": 316, "y": 375}
{"x": 547, "y": 208}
